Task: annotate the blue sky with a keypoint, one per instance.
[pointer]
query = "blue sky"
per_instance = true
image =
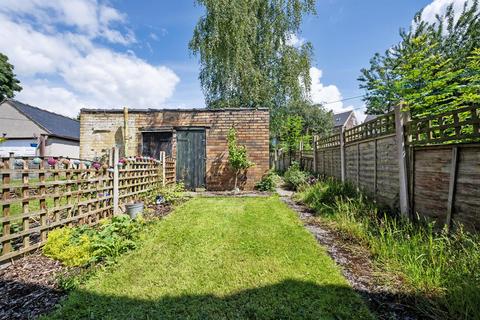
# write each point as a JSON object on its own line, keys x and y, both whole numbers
{"x": 71, "y": 54}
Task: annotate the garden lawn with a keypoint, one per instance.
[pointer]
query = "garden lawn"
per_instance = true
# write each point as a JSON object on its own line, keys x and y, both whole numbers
{"x": 220, "y": 258}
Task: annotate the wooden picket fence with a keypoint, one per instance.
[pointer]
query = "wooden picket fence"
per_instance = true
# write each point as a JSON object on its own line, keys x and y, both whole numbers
{"x": 40, "y": 194}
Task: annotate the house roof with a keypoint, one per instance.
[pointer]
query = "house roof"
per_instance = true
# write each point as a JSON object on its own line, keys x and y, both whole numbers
{"x": 339, "y": 119}
{"x": 370, "y": 117}
{"x": 55, "y": 124}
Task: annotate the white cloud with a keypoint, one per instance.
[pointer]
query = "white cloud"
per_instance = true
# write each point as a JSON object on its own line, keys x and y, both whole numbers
{"x": 438, "y": 7}
{"x": 321, "y": 94}
{"x": 294, "y": 40}
{"x": 85, "y": 16}
{"x": 329, "y": 95}
{"x": 52, "y": 98}
{"x": 63, "y": 68}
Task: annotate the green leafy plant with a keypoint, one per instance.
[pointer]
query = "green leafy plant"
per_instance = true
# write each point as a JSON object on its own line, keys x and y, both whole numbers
{"x": 8, "y": 81}
{"x": 84, "y": 244}
{"x": 291, "y": 134}
{"x": 323, "y": 196}
{"x": 440, "y": 269}
{"x": 70, "y": 247}
{"x": 268, "y": 182}
{"x": 237, "y": 155}
{"x": 115, "y": 237}
{"x": 294, "y": 177}
{"x": 171, "y": 193}
{"x": 246, "y": 59}
{"x": 433, "y": 69}
{"x": 72, "y": 278}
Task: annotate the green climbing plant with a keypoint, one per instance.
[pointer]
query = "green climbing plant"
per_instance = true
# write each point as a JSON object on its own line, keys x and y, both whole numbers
{"x": 237, "y": 155}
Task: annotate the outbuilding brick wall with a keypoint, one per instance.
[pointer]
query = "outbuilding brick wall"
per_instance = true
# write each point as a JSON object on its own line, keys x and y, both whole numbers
{"x": 100, "y": 130}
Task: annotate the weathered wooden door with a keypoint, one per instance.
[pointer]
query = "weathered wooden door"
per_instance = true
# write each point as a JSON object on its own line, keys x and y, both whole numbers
{"x": 191, "y": 158}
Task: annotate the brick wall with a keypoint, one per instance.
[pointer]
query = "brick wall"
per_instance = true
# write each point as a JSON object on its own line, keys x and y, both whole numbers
{"x": 101, "y": 130}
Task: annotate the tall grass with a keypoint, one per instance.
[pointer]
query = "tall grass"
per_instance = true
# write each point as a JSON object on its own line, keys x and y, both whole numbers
{"x": 441, "y": 270}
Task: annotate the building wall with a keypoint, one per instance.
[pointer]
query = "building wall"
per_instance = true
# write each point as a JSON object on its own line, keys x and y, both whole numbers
{"x": 100, "y": 131}
{"x": 16, "y": 125}
{"x": 57, "y": 147}
{"x": 19, "y": 147}
{"x": 351, "y": 122}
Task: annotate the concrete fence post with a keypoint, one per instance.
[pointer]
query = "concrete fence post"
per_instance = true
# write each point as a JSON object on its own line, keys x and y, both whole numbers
{"x": 401, "y": 119}
{"x": 275, "y": 159}
{"x": 116, "y": 208}
{"x": 342, "y": 154}
{"x": 315, "y": 140}
{"x": 164, "y": 163}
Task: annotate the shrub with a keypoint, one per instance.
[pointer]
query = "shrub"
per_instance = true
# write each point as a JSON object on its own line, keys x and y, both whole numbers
{"x": 237, "y": 155}
{"x": 294, "y": 177}
{"x": 115, "y": 237}
{"x": 323, "y": 195}
{"x": 173, "y": 193}
{"x": 83, "y": 245}
{"x": 268, "y": 182}
{"x": 442, "y": 268}
{"x": 68, "y": 247}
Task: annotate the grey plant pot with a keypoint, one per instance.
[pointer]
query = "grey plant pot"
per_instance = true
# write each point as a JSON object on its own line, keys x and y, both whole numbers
{"x": 134, "y": 209}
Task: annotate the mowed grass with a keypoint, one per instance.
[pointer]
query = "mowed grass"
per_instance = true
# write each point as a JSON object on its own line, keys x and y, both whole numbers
{"x": 220, "y": 258}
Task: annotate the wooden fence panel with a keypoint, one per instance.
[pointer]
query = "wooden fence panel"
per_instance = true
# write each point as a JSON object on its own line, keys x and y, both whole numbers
{"x": 367, "y": 167}
{"x": 351, "y": 163}
{"x": 170, "y": 174}
{"x": 57, "y": 192}
{"x": 442, "y": 161}
{"x": 467, "y": 195}
{"x": 388, "y": 187}
{"x": 430, "y": 186}
{"x": 433, "y": 168}
{"x": 72, "y": 194}
{"x": 328, "y": 162}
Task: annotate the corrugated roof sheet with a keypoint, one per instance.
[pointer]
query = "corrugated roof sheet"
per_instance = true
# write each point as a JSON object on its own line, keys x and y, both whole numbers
{"x": 54, "y": 123}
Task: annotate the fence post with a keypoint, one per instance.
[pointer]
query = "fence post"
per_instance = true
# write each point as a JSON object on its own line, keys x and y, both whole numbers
{"x": 300, "y": 155}
{"x": 275, "y": 159}
{"x": 116, "y": 209}
{"x": 164, "y": 163}
{"x": 315, "y": 140}
{"x": 401, "y": 119}
{"x": 342, "y": 153}
{"x": 452, "y": 186}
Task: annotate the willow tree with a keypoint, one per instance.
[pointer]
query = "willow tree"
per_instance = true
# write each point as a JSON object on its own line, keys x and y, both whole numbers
{"x": 247, "y": 55}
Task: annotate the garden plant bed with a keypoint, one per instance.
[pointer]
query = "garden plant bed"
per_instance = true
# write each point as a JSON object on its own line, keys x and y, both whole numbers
{"x": 379, "y": 288}
{"x": 29, "y": 286}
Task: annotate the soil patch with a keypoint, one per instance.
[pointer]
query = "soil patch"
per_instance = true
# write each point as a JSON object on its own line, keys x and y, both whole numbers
{"x": 28, "y": 287}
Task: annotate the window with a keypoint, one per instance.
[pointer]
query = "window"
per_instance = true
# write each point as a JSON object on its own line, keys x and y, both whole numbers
{"x": 154, "y": 142}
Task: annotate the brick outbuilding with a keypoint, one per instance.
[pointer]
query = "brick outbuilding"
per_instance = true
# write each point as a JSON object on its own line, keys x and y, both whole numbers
{"x": 196, "y": 138}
